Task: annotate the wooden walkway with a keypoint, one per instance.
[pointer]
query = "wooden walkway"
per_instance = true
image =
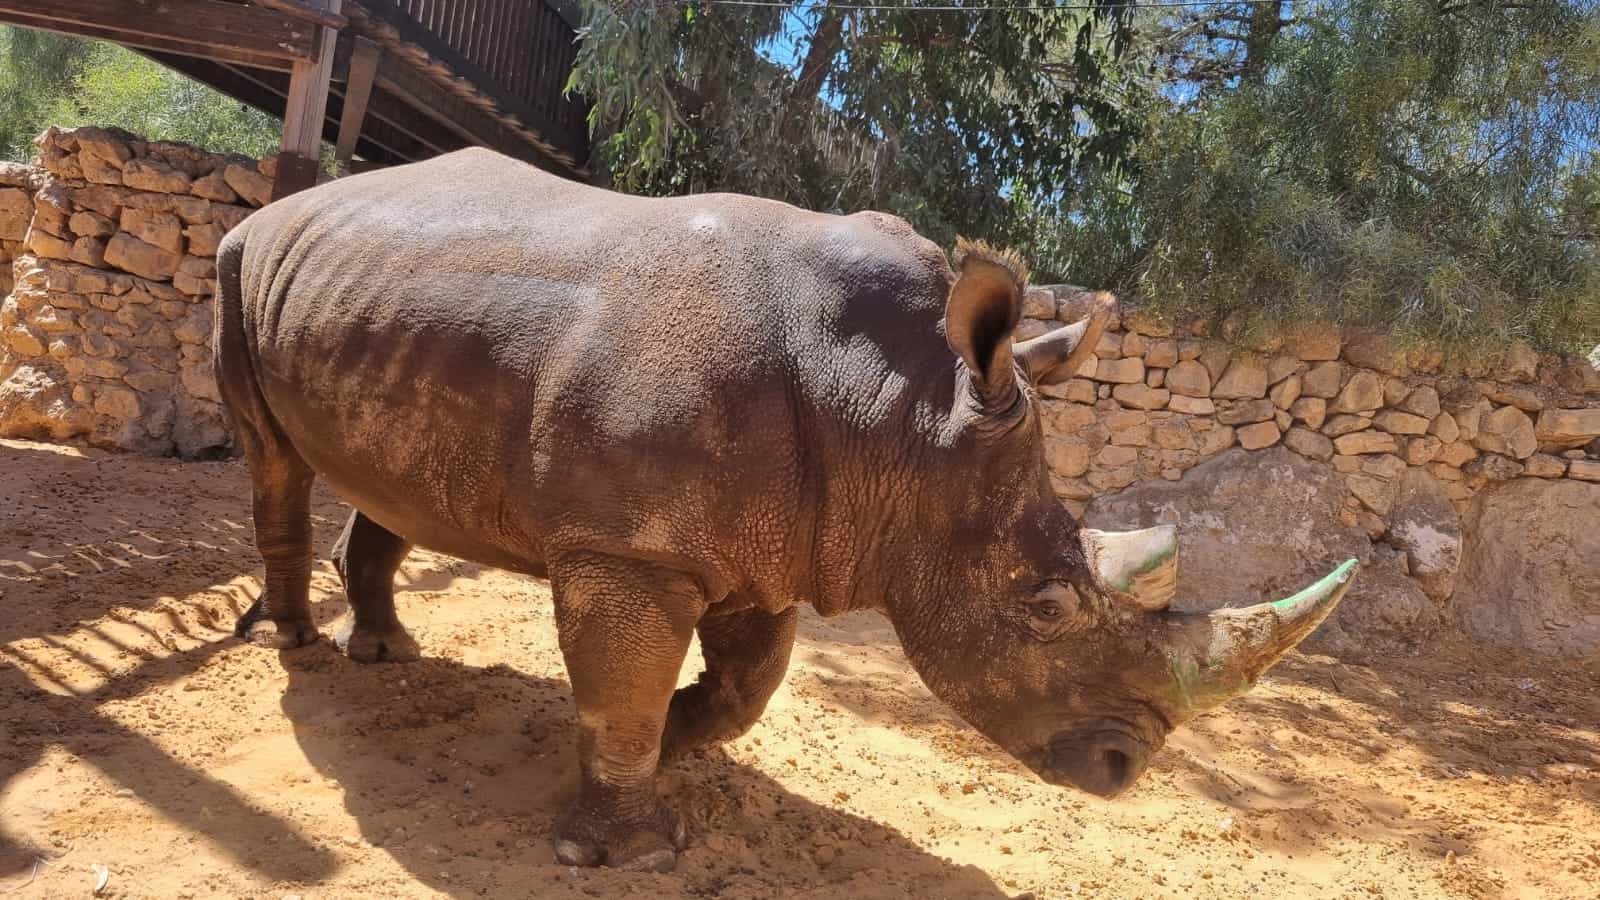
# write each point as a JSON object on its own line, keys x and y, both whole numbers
{"x": 388, "y": 81}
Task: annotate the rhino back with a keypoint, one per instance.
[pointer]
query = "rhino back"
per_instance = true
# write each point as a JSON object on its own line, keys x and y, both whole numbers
{"x": 497, "y": 363}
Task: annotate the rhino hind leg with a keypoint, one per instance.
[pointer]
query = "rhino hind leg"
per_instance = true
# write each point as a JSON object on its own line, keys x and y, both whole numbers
{"x": 746, "y": 654}
{"x": 624, "y": 627}
{"x": 367, "y": 555}
{"x": 280, "y": 480}
{"x": 281, "y": 506}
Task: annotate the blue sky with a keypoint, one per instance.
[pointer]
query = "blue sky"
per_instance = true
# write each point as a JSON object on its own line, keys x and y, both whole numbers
{"x": 787, "y": 47}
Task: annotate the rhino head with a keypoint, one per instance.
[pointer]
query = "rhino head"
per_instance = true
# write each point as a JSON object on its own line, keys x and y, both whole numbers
{"x": 1054, "y": 640}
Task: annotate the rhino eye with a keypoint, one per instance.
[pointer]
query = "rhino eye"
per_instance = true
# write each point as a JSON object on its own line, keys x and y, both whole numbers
{"x": 1051, "y": 610}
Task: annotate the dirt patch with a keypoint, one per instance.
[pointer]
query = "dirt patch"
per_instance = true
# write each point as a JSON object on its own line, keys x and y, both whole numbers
{"x": 136, "y": 734}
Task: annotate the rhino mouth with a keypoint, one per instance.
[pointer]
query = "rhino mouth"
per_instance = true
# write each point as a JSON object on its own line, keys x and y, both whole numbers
{"x": 1103, "y": 762}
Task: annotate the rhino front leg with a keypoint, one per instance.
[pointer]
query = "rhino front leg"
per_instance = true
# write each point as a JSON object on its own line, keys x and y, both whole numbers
{"x": 747, "y": 654}
{"x": 624, "y": 627}
{"x": 367, "y": 555}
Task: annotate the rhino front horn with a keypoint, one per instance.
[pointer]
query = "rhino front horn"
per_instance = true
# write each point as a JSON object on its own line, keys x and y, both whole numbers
{"x": 1219, "y": 655}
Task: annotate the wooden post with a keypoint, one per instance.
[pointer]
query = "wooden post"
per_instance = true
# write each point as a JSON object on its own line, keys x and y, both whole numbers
{"x": 304, "y": 111}
{"x": 364, "y": 59}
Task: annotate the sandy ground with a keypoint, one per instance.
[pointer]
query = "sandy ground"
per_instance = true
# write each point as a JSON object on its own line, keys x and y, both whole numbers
{"x": 137, "y": 735}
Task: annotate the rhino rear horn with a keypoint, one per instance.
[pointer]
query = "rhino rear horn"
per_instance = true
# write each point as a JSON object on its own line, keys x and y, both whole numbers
{"x": 1142, "y": 565}
{"x": 1062, "y": 351}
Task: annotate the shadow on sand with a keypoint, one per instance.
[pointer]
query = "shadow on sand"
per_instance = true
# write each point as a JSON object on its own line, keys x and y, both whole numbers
{"x": 457, "y": 773}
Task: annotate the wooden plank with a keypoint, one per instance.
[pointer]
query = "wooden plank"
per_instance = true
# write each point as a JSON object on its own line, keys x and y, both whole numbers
{"x": 541, "y": 64}
{"x": 455, "y": 18}
{"x": 303, "y": 114}
{"x": 358, "y": 90}
{"x": 517, "y": 38}
{"x": 477, "y": 34}
{"x": 515, "y": 29}
{"x": 489, "y": 43}
{"x": 204, "y": 23}
{"x": 550, "y": 77}
{"x": 511, "y": 43}
{"x": 145, "y": 42}
{"x": 502, "y": 41}
{"x": 527, "y": 33}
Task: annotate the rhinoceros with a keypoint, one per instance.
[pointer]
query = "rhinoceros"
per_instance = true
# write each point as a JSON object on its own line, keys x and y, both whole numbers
{"x": 697, "y": 415}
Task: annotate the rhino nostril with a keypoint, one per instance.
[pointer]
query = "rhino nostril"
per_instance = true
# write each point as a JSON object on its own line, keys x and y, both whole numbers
{"x": 1119, "y": 768}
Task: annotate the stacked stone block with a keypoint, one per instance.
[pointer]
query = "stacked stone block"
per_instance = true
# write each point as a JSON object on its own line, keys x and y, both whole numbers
{"x": 106, "y": 331}
{"x": 18, "y": 184}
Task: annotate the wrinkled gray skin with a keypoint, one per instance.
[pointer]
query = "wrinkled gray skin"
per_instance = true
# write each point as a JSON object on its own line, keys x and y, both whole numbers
{"x": 690, "y": 414}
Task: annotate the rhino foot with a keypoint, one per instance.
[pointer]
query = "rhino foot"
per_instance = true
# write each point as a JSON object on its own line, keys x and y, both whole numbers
{"x": 370, "y": 646}
{"x": 255, "y": 627}
{"x": 651, "y": 846}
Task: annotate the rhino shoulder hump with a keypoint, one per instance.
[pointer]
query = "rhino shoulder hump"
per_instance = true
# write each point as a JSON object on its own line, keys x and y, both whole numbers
{"x": 883, "y": 250}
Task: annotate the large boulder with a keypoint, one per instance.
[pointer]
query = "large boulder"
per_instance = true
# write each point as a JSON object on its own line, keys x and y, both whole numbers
{"x": 1257, "y": 526}
{"x": 1530, "y": 568}
{"x": 1424, "y": 526}
{"x": 1386, "y": 606}
{"x": 36, "y": 402}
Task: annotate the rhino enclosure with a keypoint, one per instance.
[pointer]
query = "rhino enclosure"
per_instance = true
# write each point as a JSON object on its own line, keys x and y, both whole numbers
{"x": 1438, "y": 740}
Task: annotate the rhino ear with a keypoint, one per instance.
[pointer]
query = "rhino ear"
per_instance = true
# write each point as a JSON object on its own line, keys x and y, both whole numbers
{"x": 984, "y": 307}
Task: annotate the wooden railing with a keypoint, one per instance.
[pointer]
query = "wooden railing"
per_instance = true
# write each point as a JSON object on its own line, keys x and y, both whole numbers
{"x": 522, "y": 49}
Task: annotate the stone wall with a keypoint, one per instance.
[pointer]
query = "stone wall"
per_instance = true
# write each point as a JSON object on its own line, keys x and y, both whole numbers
{"x": 105, "y": 333}
{"x": 1280, "y": 460}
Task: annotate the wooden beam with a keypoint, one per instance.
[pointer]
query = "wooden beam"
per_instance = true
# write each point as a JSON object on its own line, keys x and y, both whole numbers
{"x": 175, "y": 46}
{"x": 357, "y": 91}
{"x": 264, "y": 90}
{"x": 429, "y": 138}
{"x": 302, "y": 116}
{"x": 200, "y": 23}
{"x": 471, "y": 124}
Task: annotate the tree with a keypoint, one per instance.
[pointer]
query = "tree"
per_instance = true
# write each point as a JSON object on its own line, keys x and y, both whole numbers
{"x": 118, "y": 87}
{"x": 1427, "y": 166}
{"x": 1423, "y": 166}
{"x": 49, "y": 79}
{"x": 952, "y": 118}
{"x": 36, "y": 69}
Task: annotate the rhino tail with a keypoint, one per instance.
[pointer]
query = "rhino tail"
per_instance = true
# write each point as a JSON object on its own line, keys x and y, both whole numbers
{"x": 233, "y": 358}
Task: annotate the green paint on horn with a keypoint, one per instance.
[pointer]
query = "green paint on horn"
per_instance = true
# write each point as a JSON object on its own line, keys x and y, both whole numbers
{"x": 1319, "y": 589}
